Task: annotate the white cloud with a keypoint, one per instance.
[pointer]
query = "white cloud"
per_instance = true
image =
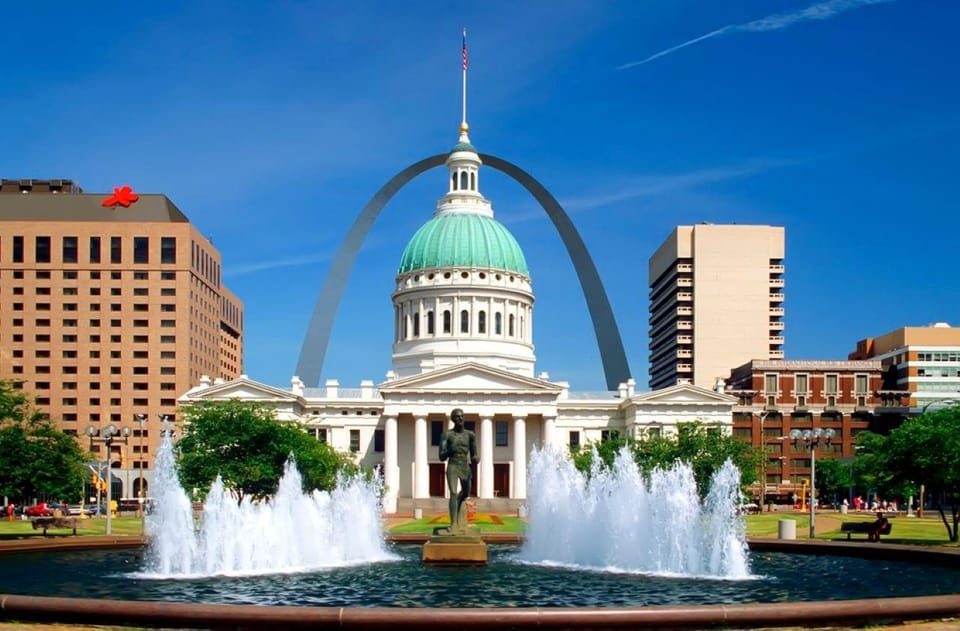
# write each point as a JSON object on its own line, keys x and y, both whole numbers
{"x": 775, "y": 22}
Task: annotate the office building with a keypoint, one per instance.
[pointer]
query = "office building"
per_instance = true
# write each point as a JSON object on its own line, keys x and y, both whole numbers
{"x": 110, "y": 307}
{"x": 716, "y": 301}
{"x": 923, "y": 361}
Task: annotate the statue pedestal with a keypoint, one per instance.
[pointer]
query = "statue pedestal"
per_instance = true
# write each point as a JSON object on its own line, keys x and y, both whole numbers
{"x": 455, "y": 548}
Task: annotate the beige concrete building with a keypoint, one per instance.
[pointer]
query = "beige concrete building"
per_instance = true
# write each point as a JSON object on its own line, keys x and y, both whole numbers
{"x": 921, "y": 360}
{"x": 108, "y": 312}
{"x": 716, "y": 302}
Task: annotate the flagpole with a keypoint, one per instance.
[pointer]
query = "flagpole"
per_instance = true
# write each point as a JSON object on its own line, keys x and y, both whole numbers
{"x": 463, "y": 123}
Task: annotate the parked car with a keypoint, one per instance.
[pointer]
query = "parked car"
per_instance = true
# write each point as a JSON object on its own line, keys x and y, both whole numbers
{"x": 40, "y": 510}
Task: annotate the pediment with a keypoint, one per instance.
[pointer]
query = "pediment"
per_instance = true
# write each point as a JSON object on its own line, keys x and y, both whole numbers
{"x": 243, "y": 389}
{"x": 684, "y": 394}
{"x": 469, "y": 377}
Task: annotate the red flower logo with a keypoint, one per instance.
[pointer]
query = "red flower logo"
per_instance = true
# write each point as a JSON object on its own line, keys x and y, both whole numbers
{"x": 123, "y": 195}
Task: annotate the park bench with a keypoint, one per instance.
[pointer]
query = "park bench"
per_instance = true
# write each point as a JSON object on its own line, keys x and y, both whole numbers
{"x": 873, "y": 529}
{"x": 44, "y": 523}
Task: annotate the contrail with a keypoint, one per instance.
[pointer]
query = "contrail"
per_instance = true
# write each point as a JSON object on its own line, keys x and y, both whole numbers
{"x": 775, "y": 22}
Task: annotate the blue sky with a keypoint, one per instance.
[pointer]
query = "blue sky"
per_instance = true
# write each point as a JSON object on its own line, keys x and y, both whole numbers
{"x": 272, "y": 124}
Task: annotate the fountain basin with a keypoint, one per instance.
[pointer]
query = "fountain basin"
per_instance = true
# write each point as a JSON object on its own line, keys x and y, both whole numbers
{"x": 818, "y": 586}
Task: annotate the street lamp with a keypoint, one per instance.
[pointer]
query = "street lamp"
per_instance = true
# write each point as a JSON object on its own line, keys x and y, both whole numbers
{"x": 108, "y": 435}
{"x": 812, "y": 439}
{"x": 142, "y": 421}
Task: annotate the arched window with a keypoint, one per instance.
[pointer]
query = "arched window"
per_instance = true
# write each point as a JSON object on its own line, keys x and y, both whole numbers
{"x": 498, "y": 323}
{"x": 463, "y": 180}
{"x": 416, "y": 324}
{"x": 453, "y": 181}
{"x": 430, "y": 327}
{"x": 510, "y": 325}
{"x": 473, "y": 181}
{"x": 464, "y": 321}
{"x": 447, "y": 326}
{"x": 521, "y": 327}
{"x": 403, "y": 332}
{"x": 482, "y": 322}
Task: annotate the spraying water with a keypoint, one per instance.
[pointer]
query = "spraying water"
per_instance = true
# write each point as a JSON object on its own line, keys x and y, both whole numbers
{"x": 615, "y": 520}
{"x": 289, "y": 532}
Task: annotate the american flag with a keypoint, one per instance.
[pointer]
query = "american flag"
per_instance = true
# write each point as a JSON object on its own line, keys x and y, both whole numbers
{"x": 464, "y": 49}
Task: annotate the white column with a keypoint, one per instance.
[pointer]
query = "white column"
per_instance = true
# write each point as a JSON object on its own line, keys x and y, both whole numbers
{"x": 485, "y": 473}
{"x": 549, "y": 422}
{"x": 519, "y": 458}
{"x": 421, "y": 476}
{"x": 391, "y": 471}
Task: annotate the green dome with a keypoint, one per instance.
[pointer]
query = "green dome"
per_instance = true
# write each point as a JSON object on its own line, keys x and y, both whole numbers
{"x": 463, "y": 146}
{"x": 463, "y": 240}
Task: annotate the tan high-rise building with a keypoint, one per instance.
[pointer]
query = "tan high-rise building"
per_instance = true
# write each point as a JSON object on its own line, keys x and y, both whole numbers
{"x": 716, "y": 302}
{"x": 110, "y": 312}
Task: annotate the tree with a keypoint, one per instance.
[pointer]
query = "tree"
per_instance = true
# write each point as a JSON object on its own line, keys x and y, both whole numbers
{"x": 705, "y": 448}
{"x": 925, "y": 450}
{"x": 247, "y": 446}
{"x": 834, "y": 478}
{"x": 37, "y": 459}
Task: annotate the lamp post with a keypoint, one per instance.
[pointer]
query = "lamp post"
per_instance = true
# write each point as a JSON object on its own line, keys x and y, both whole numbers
{"x": 812, "y": 439}
{"x": 142, "y": 421}
{"x": 108, "y": 435}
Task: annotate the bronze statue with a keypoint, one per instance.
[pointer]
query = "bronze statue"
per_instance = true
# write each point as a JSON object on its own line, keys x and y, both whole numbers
{"x": 458, "y": 447}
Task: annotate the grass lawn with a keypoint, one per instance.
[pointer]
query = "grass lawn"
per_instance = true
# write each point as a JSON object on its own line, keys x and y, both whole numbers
{"x": 906, "y": 530}
{"x": 95, "y": 526}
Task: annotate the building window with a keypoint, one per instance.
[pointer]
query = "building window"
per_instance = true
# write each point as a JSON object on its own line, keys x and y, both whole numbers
{"x": 416, "y": 324}
{"x": 42, "y": 250}
{"x": 321, "y": 434}
{"x": 18, "y": 250}
{"x": 574, "y": 439}
{"x": 69, "y": 249}
{"x": 95, "y": 252}
{"x": 609, "y": 434}
{"x": 501, "y": 431}
{"x": 430, "y": 323}
{"x": 801, "y": 385}
{"x": 498, "y": 323}
{"x": 436, "y": 433}
{"x": 141, "y": 250}
{"x": 464, "y": 321}
{"x": 354, "y": 440}
{"x": 116, "y": 250}
{"x": 510, "y": 325}
{"x": 378, "y": 441}
{"x": 447, "y": 325}
{"x": 770, "y": 384}
{"x": 482, "y": 322}
{"x": 168, "y": 249}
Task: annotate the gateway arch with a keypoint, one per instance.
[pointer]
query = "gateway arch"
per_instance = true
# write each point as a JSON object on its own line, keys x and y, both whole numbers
{"x": 612, "y": 355}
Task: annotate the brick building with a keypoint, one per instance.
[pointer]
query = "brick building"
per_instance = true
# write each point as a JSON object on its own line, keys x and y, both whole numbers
{"x": 777, "y": 396}
{"x": 109, "y": 311}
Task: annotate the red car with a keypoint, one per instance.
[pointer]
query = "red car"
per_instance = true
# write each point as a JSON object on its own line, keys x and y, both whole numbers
{"x": 40, "y": 510}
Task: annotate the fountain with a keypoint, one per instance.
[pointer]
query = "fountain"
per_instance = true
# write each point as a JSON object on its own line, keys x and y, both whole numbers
{"x": 657, "y": 527}
{"x": 293, "y": 531}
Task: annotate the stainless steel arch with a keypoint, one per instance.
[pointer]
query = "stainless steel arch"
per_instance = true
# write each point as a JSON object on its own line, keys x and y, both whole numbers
{"x": 314, "y": 349}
